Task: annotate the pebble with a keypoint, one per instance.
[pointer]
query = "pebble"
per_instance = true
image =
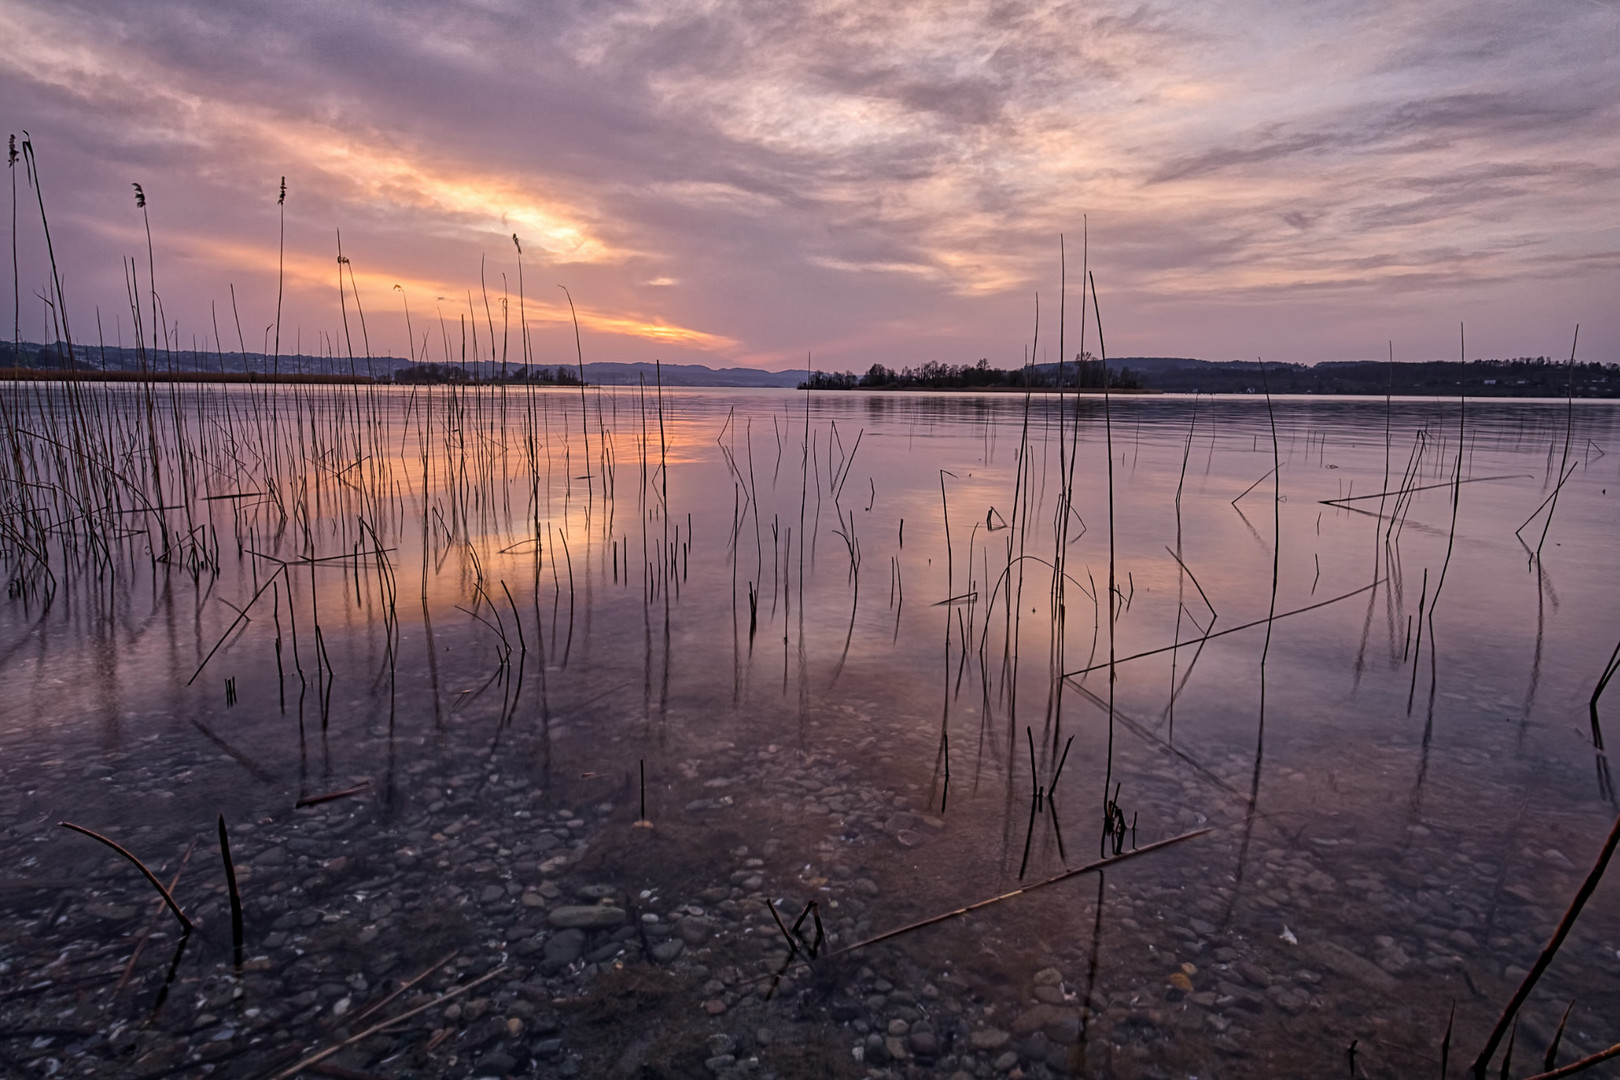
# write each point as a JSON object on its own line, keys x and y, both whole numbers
{"x": 1347, "y": 963}
{"x": 563, "y": 949}
{"x": 947, "y": 1018}
{"x": 1035, "y": 1018}
{"x": 498, "y": 1062}
{"x": 693, "y": 930}
{"x": 923, "y": 1042}
{"x": 1254, "y": 973}
{"x": 592, "y": 917}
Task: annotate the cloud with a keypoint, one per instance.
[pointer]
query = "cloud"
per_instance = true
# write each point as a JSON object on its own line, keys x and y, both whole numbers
{"x": 855, "y": 180}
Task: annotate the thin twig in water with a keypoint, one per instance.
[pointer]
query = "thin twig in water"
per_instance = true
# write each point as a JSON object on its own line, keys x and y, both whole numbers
{"x": 316, "y": 800}
{"x": 129, "y": 969}
{"x": 1257, "y": 483}
{"x": 156, "y": 884}
{"x": 1579, "y": 1066}
{"x": 322, "y": 1055}
{"x": 1228, "y": 630}
{"x": 1098, "y": 864}
{"x": 383, "y": 1003}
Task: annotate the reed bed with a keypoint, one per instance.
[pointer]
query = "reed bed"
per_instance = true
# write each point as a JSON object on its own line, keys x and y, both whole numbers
{"x": 304, "y": 501}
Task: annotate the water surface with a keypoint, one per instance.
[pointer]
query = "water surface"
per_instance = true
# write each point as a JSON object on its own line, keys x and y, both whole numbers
{"x": 847, "y": 639}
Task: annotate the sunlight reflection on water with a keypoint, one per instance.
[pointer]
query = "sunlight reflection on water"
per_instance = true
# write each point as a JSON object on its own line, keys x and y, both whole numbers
{"x": 504, "y": 591}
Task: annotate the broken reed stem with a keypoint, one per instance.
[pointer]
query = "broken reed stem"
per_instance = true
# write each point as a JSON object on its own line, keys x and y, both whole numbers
{"x": 1549, "y": 951}
{"x": 1029, "y": 836}
{"x": 185, "y": 923}
{"x": 129, "y": 968}
{"x": 642, "y": 820}
{"x": 1609, "y": 670}
{"x": 1550, "y": 1061}
{"x": 523, "y": 645}
{"x": 322, "y": 1055}
{"x": 1403, "y": 491}
{"x": 316, "y": 800}
{"x": 1263, "y": 476}
{"x": 1579, "y": 1066}
{"x": 1229, "y": 630}
{"x": 1098, "y": 864}
{"x": 1445, "y": 1043}
{"x": 811, "y": 909}
{"x": 236, "y": 896}
{"x": 241, "y": 615}
{"x": 1051, "y": 790}
{"x": 403, "y": 987}
{"x": 1193, "y": 578}
{"x": 1556, "y": 489}
{"x": 1569, "y": 425}
{"x": 793, "y": 946}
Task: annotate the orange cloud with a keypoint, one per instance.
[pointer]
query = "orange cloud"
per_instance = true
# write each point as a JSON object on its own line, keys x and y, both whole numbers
{"x": 367, "y": 168}
{"x": 315, "y": 273}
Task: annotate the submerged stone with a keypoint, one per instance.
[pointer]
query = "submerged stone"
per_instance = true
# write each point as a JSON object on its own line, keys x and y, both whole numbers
{"x": 592, "y": 917}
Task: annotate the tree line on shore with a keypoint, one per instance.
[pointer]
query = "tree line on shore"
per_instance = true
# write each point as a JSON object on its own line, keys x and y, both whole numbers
{"x": 1526, "y": 376}
{"x": 1086, "y": 372}
{"x": 435, "y": 373}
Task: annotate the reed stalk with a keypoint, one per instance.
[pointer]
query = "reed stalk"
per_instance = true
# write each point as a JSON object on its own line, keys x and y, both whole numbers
{"x": 1549, "y": 951}
{"x": 235, "y": 894}
{"x": 180, "y": 916}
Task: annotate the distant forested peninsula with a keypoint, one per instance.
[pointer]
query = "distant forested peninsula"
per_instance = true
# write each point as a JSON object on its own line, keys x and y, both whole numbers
{"x": 1086, "y": 373}
{"x": 1528, "y": 376}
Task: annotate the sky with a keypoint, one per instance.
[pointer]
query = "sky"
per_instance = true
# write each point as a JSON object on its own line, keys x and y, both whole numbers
{"x": 782, "y": 183}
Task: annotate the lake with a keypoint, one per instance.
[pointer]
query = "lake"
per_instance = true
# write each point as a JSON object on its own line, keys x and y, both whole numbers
{"x": 599, "y": 733}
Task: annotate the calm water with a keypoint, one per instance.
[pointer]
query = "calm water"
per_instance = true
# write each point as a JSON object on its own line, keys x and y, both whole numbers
{"x": 496, "y": 612}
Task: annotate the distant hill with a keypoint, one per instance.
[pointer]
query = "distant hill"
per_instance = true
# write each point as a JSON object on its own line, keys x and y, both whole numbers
{"x": 612, "y": 374}
{"x": 1528, "y": 376}
{"x": 1150, "y": 365}
{"x": 113, "y": 358}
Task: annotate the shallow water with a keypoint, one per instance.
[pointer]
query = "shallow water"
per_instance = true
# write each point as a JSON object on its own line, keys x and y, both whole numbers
{"x": 524, "y": 608}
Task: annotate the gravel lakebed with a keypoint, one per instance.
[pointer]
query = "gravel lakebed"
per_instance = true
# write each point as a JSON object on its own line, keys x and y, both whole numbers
{"x": 535, "y": 938}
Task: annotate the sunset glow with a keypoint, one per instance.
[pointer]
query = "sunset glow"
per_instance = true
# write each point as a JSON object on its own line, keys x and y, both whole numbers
{"x": 751, "y": 184}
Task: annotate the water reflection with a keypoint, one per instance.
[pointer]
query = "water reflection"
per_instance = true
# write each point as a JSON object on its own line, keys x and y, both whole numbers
{"x": 434, "y": 592}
